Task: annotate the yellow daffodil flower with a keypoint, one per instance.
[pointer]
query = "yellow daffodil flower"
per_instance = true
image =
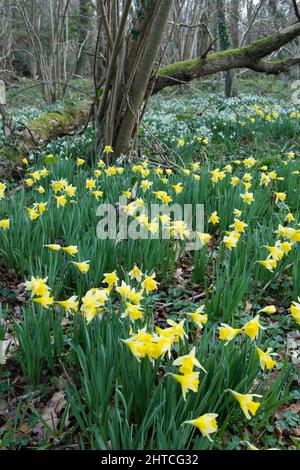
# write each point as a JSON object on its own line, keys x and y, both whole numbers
{"x": 69, "y": 304}
{"x": 207, "y": 424}
{"x": 188, "y": 382}
{"x": 269, "y": 264}
{"x": 295, "y": 311}
{"x": 136, "y": 274}
{"x": 37, "y": 286}
{"x": 149, "y": 284}
{"x": 231, "y": 240}
{"x": 4, "y": 224}
{"x": 265, "y": 359}
{"x": 71, "y": 250}
{"x": 124, "y": 290}
{"x": 80, "y": 162}
{"x": 178, "y": 188}
{"x": 239, "y": 226}
{"x": 97, "y": 194}
{"x": 45, "y": 301}
{"x": 53, "y": 247}
{"x": 279, "y": 197}
{"x": 290, "y": 218}
{"x": 248, "y": 198}
{"x": 237, "y": 213}
{"x": 227, "y": 333}
{"x": 83, "y": 266}
{"x": 61, "y": 201}
{"x": 133, "y": 311}
{"x": 163, "y": 196}
{"x": 199, "y": 317}
{"x": 179, "y": 229}
{"x": 252, "y": 328}
{"x": 90, "y": 183}
{"x": 111, "y": 279}
{"x": 246, "y": 402}
{"x": 204, "y": 238}
{"x": 214, "y": 218}
{"x": 235, "y": 181}
{"x": 270, "y": 309}
{"x": 33, "y": 213}
{"x": 187, "y": 363}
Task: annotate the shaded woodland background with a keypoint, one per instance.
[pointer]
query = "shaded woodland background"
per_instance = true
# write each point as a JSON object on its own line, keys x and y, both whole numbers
{"x": 118, "y": 53}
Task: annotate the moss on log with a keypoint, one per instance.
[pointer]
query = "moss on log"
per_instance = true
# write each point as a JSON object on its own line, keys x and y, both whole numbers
{"x": 244, "y": 57}
{"x": 43, "y": 130}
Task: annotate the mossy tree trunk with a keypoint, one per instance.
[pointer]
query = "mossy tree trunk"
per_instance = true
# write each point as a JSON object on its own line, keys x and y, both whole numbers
{"x": 224, "y": 41}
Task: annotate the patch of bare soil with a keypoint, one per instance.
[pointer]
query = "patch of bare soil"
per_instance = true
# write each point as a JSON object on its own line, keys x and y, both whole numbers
{"x": 12, "y": 292}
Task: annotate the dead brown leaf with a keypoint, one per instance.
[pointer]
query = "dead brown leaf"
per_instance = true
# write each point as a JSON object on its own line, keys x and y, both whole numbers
{"x": 51, "y": 416}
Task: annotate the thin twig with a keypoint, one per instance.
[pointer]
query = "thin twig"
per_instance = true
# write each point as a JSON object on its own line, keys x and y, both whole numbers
{"x": 251, "y": 22}
{"x": 106, "y": 25}
{"x": 191, "y": 299}
{"x": 189, "y": 26}
{"x": 210, "y": 48}
{"x": 96, "y": 62}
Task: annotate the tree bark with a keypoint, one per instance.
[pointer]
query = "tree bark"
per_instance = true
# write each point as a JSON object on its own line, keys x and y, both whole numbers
{"x": 224, "y": 40}
{"x": 83, "y": 32}
{"x": 138, "y": 88}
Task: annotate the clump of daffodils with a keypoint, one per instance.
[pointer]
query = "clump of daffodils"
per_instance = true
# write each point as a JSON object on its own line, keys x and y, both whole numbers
{"x": 40, "y": 291}
{"x": 155, "y": 345}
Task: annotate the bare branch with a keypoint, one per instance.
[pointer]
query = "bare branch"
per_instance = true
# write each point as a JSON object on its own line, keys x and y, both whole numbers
{"x": 252, "y": 22}
{"x": 106, "y": 25}
{"x": 184, "y": 25}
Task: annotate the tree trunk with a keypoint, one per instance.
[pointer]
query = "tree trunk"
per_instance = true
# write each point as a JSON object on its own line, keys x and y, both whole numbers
{"x": 224, "y": 40}
{"x": 128, "y": 77}
{"x": 129, "y": 115}
{"x": 83, "y": 32}
{"x": 235, "y": 40}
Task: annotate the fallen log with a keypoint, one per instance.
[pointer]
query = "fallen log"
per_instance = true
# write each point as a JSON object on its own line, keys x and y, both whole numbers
{"x": 43, "y": 130}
